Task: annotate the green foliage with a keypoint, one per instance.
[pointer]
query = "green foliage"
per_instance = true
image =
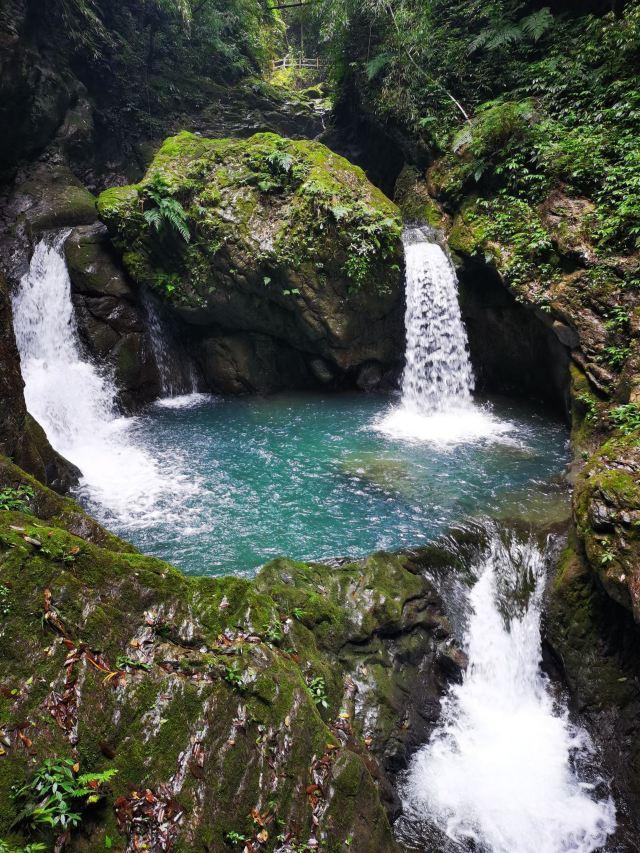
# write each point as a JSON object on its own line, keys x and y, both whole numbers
{"x": 234, "y": 838}
{"x": 167, "y": 212}
{"x": 56, "y": 794}
{"x": 233, "y": 675}
{"x": 626, "y": 418}
{"x": 16, "y": 499}
{"x": 318, "y": 689}
{"x": 616, "y": 356}
{"x": 7, "y": 847}
{"x": 552, "y": 98}
{"x": 506, "y": 33}
{"x": 124, "y": 662}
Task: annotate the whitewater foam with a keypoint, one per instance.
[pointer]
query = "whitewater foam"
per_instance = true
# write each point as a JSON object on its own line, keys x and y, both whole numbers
{"x": 500, "y": 769}
{"x": 75, "y": 402}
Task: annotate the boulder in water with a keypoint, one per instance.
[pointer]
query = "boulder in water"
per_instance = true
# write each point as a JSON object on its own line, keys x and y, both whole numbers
{"x": 267, "y": 236}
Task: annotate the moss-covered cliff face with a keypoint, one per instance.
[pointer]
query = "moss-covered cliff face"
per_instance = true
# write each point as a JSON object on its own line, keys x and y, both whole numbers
{"x": 228, "y": 707}
{"x": 268, "y": 237}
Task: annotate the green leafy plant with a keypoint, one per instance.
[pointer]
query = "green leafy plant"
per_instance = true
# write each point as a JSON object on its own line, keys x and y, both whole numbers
{"x": 234, "y": 838}
{"x": 6, "y": 847}
{"x": 626, "y": 418}
{"x": 16, "y": 499}
{"x": 5, "y": 606}
{"x": 56, "y": 794}
{"x": 124, "y": 662}
{"x": 616, "y": 356}
{"x": 167, "y": 212}
{"x": 233, "y": 675}
{"x": 318, "y": 689}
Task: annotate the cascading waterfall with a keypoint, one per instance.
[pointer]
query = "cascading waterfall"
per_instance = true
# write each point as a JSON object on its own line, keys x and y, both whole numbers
{"x": 76, "y": 403}
{"x": 438, "y": 378}
{"x": 438, "y": 373}
{"x": 502, "y": 770}
{"x": 178, "y": 377}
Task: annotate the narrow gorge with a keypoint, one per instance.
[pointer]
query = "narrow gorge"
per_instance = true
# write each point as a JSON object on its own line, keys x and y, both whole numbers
{"x": 319, "y": 426}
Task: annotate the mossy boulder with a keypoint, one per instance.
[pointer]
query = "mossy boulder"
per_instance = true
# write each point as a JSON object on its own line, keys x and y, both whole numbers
{"x": 596, "y": 644}
{"x": 267, "y": 236}
{"x": 269, "y": 708}
{"x": 607, "y": 511}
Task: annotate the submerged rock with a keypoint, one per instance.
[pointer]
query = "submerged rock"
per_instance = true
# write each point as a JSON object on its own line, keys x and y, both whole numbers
{"x": 267, "y": 237}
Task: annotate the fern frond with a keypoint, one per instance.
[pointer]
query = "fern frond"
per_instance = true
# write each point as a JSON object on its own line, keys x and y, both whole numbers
{"x": 153, "y": 218}
{"x": 538, "y": 23}
{"x": 375, "y": 65}
{"x": 173, "y": 213}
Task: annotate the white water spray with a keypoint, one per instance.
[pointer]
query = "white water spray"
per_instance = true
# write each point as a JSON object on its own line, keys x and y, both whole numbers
{"x": 76, "y": 403}
{"x": 499, "y": 770}
{"x": 438, "y": 378}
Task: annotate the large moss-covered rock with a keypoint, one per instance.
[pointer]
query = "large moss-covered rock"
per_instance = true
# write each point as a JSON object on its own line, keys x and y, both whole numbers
{"x": 270, "y": 708}
{"x": 597, "y": 647}
{"x": 279, "y": 238}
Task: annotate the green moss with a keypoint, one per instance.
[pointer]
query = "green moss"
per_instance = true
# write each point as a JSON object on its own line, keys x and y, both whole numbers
{"x": 315, "y": 204}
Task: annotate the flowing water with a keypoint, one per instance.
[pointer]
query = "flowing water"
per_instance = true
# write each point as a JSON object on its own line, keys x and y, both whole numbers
{"x": 222, "y": 485}
{"x": 505, "y": 770}
{"x": 75, "y": 402}
{"x": 438, "y": 378}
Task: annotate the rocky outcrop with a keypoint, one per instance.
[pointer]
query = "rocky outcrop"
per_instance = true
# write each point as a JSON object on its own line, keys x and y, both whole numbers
{"x": 112, "y": 322}
{"x": 596, "y": 648}
{"x": 550, "y": 316}
{"x": 270, "y": 239}
{"x": 267, "y": 710}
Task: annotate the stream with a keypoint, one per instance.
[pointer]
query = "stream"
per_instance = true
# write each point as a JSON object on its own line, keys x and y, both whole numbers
{"x": 222, "y": 485}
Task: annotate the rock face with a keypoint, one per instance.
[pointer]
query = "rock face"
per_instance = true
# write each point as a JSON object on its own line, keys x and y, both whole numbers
{"x": 285, "y": 247}
{"x": 111, "y": 321}
{"x": 270, "y": 709}
{"x": 597, "y": 648}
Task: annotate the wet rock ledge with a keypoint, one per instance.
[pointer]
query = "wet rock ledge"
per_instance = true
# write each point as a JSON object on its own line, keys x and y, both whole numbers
{"x": 275, "y": 708}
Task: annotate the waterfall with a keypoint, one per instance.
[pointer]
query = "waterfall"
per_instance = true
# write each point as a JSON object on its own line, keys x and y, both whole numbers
{"x": 76, "y": 403}
{"x": 505, "y": 768}
{"x": 438, "y": 374}
{"x": 438, "y": 380}
{"x": 178, "y": 376}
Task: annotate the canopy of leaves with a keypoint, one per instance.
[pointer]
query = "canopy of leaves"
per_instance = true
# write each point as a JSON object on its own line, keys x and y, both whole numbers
{"x": 533, "y": 98}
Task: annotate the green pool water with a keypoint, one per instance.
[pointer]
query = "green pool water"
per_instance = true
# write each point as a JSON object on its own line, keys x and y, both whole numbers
{"x": 231, "y": 483}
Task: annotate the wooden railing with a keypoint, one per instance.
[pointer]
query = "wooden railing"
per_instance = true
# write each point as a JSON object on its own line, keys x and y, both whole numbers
{"x": 299, "y": 62}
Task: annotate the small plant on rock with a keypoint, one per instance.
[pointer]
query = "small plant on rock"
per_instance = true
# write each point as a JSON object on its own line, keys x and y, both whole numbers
{"x": 167, "y": 211}
{"x": 318, "y": 689}
{"x": 56, "y": 794}
{"x": 626, "y": 418}
{"x": 16, "y": 499}
{"x": 233, "y": 675}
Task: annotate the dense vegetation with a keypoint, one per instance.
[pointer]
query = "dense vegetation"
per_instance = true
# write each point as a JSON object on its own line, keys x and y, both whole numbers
{"x": 530, "y": 96}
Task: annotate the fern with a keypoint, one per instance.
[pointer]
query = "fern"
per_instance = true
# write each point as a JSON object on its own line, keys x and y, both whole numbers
{"x": 537, "y": 24}
{"x": 534, "y": 26}
{"x": 167, "y": 211}
{"x": 154, "y": 218}
{"x": 375, "y": 65}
